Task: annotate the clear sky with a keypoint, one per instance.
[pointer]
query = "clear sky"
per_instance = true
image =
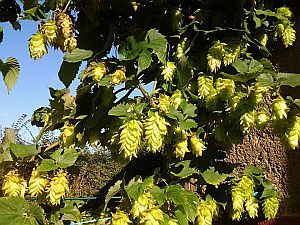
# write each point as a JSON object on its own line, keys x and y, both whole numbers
{"x": 31, "y": 89}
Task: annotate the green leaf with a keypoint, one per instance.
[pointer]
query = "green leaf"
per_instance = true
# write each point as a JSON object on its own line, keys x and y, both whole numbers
{"x": 1, "y": 35}
{"x": 181, "y": 217}
{"x": 47, "y": 165}
{"x": 183, "y": 74}
{"x": 188, "y": 109}
{"x": 158, "y": 43}
{"x": 23, "y": 150}
{"x": 247, "y": 66}
{"x": 112, "y": 191}
{"x": 30, "y": 4}
{"x": 158, "y": 195}
{"x": 120, "y": 110}
{"x": 175, "y": 114}
{"x": 77, "y": 55}
{"x": 188, "y": 124}
{"x": 213, "y": 177}
{"x": 183, "y": 169}
{"x": 130, "y": 49}
{"x": 68, "y": 158}
{"x": 70, "y": 212}
{"x": 17, "y": 211}
{"x": 68, "y": 72}
{"x": 269, "y": 190}
{"x": 10, "y": 71}
{"x": 265, "y": 80}
{"x": 253, "y": 170}
{"x": 289, "y": 79}
{"x": 144, "y": 60}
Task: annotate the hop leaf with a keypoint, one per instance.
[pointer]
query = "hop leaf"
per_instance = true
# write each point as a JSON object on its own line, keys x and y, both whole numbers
{"x": 37, "y": 183}
{"x": 270, "y": 207}
{"x": 58, "y": 187}
{"x": 155, "y": 130}
{"x": 37, "y": 46}
{"x": 131, "y": 138}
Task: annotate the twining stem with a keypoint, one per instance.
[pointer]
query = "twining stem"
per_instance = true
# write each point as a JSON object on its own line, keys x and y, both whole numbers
{"x": 145, "y": 94}
{"x": 67, "y": 5}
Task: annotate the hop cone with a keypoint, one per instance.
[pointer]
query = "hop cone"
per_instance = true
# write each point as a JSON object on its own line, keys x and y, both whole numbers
{"x": 120, "y": 218}
{"x": 258, "y": 93}
{"x": 232, "y": 52}
{"x": 164, "y": 103}
{"x": 69, "y": 44}
{"x": 181, "y": 47}
{"x": 293, "y": 133}
{"x": 251, "y": 206}
{"x": 247, "y": 120}
{"x": 131, "y": 138}
{"x": 262, "y": 120}
{"x": 67, "y": 135}
{"x": 225, "y": 88}
{"x": 263, "y": 39}
{"x": 288, "y": 36}
{"x": 197, "y": 145}
{"x": 65, "y": 24}
{"x": 235, "y": 101}
{"x": 140, "y": 206}
{"x": 205, "y": 86}
{"x": 280, "y": 108}
{"x": 118, "y": 76}
{"x": 181, "y": 148}
{"x": 206, "y": 211}
{"x": 13, "y": 184}
{"x": 176, "y": 99}
{"x": 284, "y": 12}
{"x": 153, "y": 216}
{"x": 58, "y": 188}
{"x": 173, "y": 222}
{"x": 270, "y": 207}
{"x": 215, "y": 55}
{"x": 168, "y": 71}
{"x": 37, "y": 46}
{"x": 155, "y": 130}
{"x": 37, "y": 183}
{"x": 49, "y": 30}
{"x": 98, "y": 72}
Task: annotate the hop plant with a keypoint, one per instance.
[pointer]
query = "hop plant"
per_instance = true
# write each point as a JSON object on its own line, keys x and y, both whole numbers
{"x": 58, "y": 187}
{"x": 284, "y": 12}
{"x": 293, "y": 133}
{"x": 206, "y": 211}
{"x": 205, "y": 86}
{"x": 98, "y": 72}
{"x": 247, "y": 121}
{"x": 225, "y": 88}
{"x": 286, "y": 33}
{"x": 258, "y": 93}
{"x": 197, "y": 145}
{"x": 37, "y": 183}
{"x": 231, "y": 54}
{"x": 215, "y": 55}
{"x": 155, "y": 130}
{"x": 13, "y": 184}
{"x": 168, "y": 71}
{"x": 120, "y": 218}
{"x": 154, "y": 216}
{"x": 181, "y": 148}
{"x": 131, "y": 138}
{"x": 270, "y": 207}
{"x": 65, "y": 24}
{"x": 164, "y": 103}
{"x": 176, "y": 98}
{"x": 280, "y": 108}
{"x": 37, "y": 46}
{"x": 118, "y": 76}
{"x": 49, "y": 30}
{"x": 67, "y": 135}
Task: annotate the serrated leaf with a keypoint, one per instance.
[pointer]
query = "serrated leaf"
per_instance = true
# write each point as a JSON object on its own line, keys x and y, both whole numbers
{"x": 181, "y": 217}
{"x": 70, "y": 212}
{"x": 175, "y": 114}
{"x": 68, "y": 72}
{"x": 158, "y": 195}
{"x": 10, "y": 71}
{"x": 269, "y": 190}
{"x": 23, "y": 150}
{"x": 253, "y": 170}
{"x": 120, "y": 110}
{"x": 47, "y": 165}
{"x": 188, "y": 124}
{"x": 130, "y": 49}
{"x": 17, "y": 211}
{"x": 77, "y": 55}
{"x": 247, "y": 66}
{"x": 183, "y": 169}
{"x": 144, "y": 60}
{"x": 68, "y": 158}
{"x": 112, "y": 191}
{"x": 183, "y": 73}
{"x": 158, "y": 43}
{"x": 188, "y": 109}
{"x": 213, "y": 177}
{"x": 289, "y": 79}
{"x": 265, "y": 80}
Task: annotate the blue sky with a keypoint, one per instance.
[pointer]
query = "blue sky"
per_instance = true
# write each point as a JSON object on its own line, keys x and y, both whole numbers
{"x": 31, "y": 89}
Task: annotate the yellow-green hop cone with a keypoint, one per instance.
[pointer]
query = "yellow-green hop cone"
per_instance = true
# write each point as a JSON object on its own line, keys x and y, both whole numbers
{"x": 263, "y": 39}
{"x": 58, "y": 188}
{"x": 231, "y": 54}
{"x": 37, "y": 183}
{"x": 270, "y": 207}
{"x": 288, "y": 36}
{"x": 181, "y": 47}
{"x": 215, "y": 55}
{"x": 205, "y": 86}
{"x": 67, "y": 135}
{"x": 120, "y": 218}
{"x": 173, "y": 222}
{"x": 176, "y": 98}
{"x": 155, "y": 130}
{"x": 238, "y": 198}
{"x": 236, "y": 214}
{"x": 98, "y": 72}
{"x": 258, "y": 93}
{"x": 225, "y": 88}
{"x": 13, "y": 184}
{"x": 251, "y": 206}
{"x": 206, "y": 211}
{"x": 131, "y": 138}
{"x": 164, "y": 103}
{"x": 65, "y": 24}
{"x": 69, "y": 44}
{"x": 262, "y": 120}
{"x": 140, "y": 206}
{"x": 37, "y": 46}
{"x": 284, "y": 12}
{"x": 153, "y": 216}
{"x": 181, "y": 148}
{"x": 293, "y": 133}
{"x": 280, "y": 108}
{"x": 168, "y": 71}
{"x": 118, "y": 76}
{"x": 197, "y": 145}
{"x": 49, "y": 29}
{"x": 247, "y": 184}
{"x": 247, "y": 121}
{"x": 235, "y": 101}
